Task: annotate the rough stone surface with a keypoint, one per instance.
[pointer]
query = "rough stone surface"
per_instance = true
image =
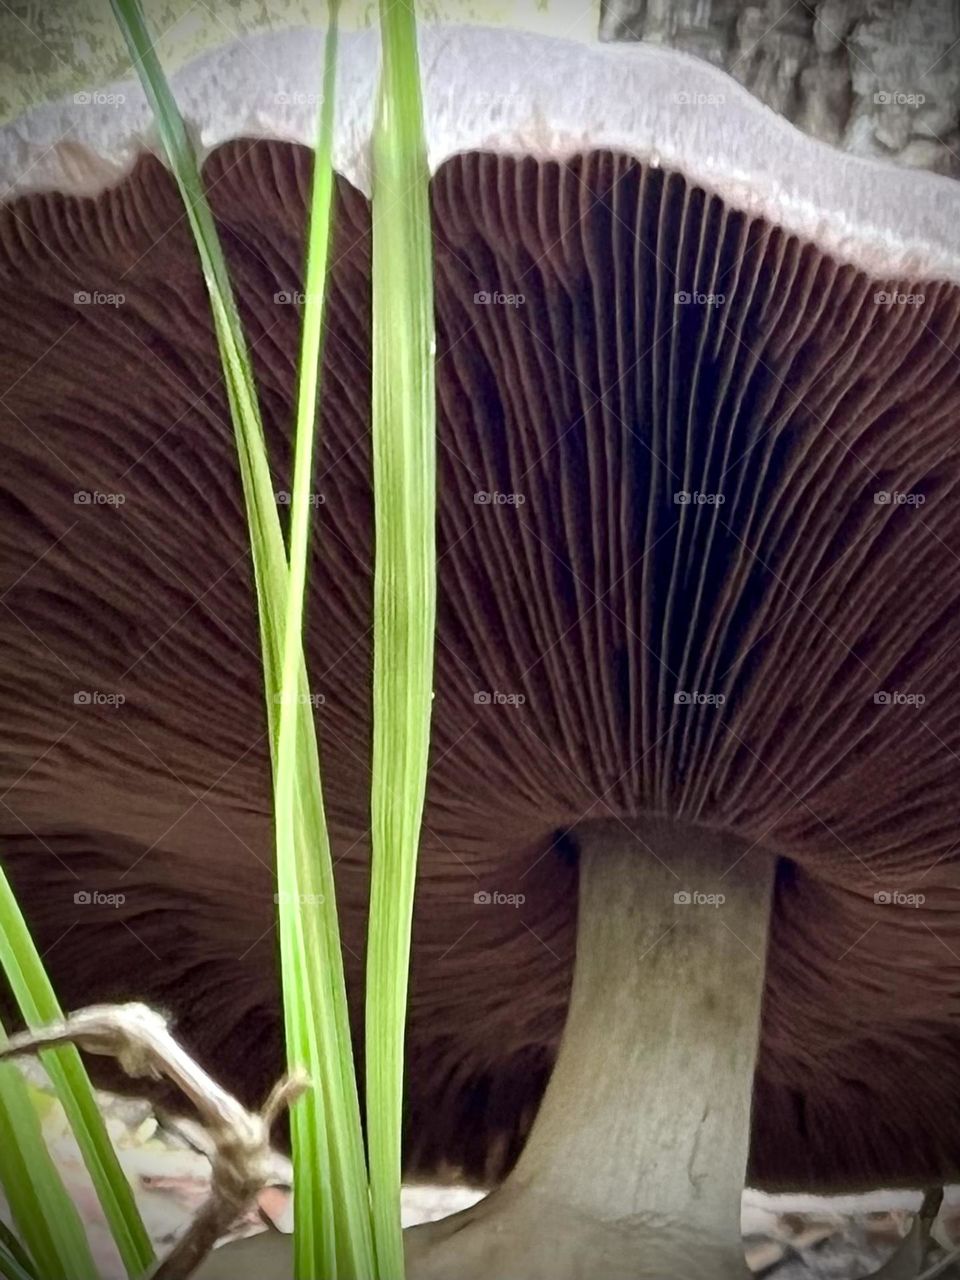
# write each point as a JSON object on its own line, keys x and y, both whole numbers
{"x": 877, "y": 77}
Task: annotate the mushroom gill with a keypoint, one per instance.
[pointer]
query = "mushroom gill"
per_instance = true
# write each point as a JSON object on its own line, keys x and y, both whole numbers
{"x": 699, "y": 569}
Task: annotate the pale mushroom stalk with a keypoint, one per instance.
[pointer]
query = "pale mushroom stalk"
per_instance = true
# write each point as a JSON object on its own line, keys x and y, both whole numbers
{"x": 636, "y": 1162}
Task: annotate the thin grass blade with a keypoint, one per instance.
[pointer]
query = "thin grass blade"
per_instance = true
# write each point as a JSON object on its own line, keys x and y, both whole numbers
{"x": 11, "y": 1265}
{"x": 333, "y": 1200}
{"x": 404, "y": 471}
{"x": 297, "y": 924}
{"x": 42, "y": 1211}
{"x": 13, "y": 1249}
{"x": 35, "y": 997}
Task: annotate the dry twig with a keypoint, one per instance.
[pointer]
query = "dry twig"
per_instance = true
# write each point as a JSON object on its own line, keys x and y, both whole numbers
{"x": 242, "y": 1159}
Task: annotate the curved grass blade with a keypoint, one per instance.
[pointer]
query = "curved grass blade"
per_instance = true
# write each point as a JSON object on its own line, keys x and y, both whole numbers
{"x": 44, "y": 1214}
{"x": 292, "y": 855}
{"x": 35, "y": 997}
{"x": 404, "y": 470}
{"x": 334, "y": 1224}
{"x": 12, "y": 1250}
{"x": 12, "y": 1264}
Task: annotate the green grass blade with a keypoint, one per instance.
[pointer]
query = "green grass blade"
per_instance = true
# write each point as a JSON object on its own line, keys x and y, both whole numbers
{"x": 12, "y": 1264}
{"x": 45, "y": 1217}
{"x": 312, "y": 1232}
{"x": 35, "y": 997}
{"x": 404, "y": 468}
{"x": 330, "y": 1169}
{"x": 13, "y": 1250}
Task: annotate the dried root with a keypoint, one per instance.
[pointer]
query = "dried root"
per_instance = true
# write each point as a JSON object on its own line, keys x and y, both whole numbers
{"x": 242, "y": 1159}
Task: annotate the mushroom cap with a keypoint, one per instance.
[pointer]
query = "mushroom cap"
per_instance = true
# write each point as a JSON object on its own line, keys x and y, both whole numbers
{"x": 697, "y": 384}
{"x": 514, "y": 93}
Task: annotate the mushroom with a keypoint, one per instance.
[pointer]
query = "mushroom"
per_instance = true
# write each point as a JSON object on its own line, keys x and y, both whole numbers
{"x": 687, "y": 904}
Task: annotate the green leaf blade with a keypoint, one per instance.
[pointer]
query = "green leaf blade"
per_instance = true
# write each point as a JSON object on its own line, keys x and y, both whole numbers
{"x": 333, "y": 1215}
{"x": 38, "y": 1004}
{"x": 404, "y": 455}
{"x": 45, "y": 1217}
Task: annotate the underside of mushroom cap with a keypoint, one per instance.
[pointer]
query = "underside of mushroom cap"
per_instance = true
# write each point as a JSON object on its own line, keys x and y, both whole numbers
{"x": 685, "y": 569}
{"x": 521, "y": 94}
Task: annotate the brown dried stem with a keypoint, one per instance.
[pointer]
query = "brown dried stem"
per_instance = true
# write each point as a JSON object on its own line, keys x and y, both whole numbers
{"x": 242, "y": 1159}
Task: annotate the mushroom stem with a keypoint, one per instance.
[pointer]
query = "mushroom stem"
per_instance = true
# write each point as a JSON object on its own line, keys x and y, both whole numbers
{"x": 640, "y": 1146}
{"x": 657, "y": 1059}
